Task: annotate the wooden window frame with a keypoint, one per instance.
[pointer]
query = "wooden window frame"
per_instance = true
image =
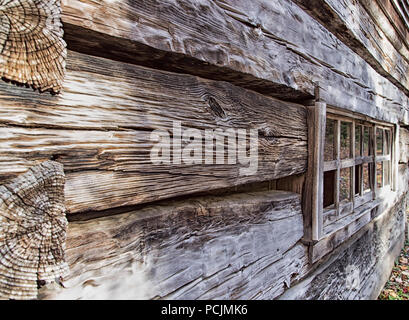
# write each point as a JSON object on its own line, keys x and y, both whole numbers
{"x": 340, "y": 209}
{"x": 323, "y": 225}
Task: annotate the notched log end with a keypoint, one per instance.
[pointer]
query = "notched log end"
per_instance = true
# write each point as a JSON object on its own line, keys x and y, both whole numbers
{"x": 53, "y": 91}
{"x": 32, "y": 49}
{"x": 32, "y": 231}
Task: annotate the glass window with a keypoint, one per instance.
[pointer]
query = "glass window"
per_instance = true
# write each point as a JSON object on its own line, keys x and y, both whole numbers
{"x": 345, "y": 185}
{"x": 345, "y": 147}
{"x": 383, "y": 166}
{"x": 329, "y": 149}
{"x": 379, "y": 141}
{"x": 386, "y": 172}
{"x": 367, "y": 133}
{"x": 366, "y": 177}
{"x": 358, "y": 140}
{"x": 387, "y": 144}
{"x": 364, "y": 149}
{"x": 379, "y": 175}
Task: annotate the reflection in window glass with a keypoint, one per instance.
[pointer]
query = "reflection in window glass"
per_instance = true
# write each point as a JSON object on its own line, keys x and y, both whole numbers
{"x": 366, "y": 140}
{"x": 358, "y": 139}
{"x": 329, "y": 185}
{"x": 379, "y": 174}
{"x": 387, "y": 142}
{"x": 329, "y": 149}
{"x": 386, "y": 172}
{"x": 379, "y": 141}
{"x": 345, "y": 140}
{"x": 345, "y": 184}
{"x": 365, "y": 176}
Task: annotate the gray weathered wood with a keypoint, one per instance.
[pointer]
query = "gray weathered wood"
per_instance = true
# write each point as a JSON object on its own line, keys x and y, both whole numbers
{"x": 100, "y": 126}
{"x": 359, "y": 268}
{"x": 203, "y": 248}
{"x": 363, "y": 32}
{"x": 248, "y": 44}
{"x": 313, "y": 196}
{"x": 338, "y": 232}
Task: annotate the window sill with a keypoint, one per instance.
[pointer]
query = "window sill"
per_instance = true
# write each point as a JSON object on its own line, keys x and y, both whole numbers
{"x": 339, "y": 231}
{"x": 330, "y": 217}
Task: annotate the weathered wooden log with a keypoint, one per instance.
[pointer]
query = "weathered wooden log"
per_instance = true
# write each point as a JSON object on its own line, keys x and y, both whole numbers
{"x": 100, "y": 129}
{"x": 248, "y": 44}
{"x": 242, "y": 246}
{"x": 369, "y": 34}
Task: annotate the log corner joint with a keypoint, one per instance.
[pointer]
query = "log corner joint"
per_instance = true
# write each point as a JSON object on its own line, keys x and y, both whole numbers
{"x": 33, "y": 229}
{"x": 32, "y": 49}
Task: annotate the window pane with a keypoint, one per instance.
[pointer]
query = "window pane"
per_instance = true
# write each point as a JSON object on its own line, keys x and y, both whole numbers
{"x": 379, "y": 174}
{"x": 379, "y": 141}
{"x": 329, "y": 150}
{"x": 345, "y": 140}
{"x": 358, "y": 179}
{"x": 386, "y": 172}
{"x": 366, "y": 177}
{"x": 345, "y": 184}
{"x": 387, "y": 144}
{"x": 366, "y": 136}
{"x": 358, "y": 139}
{"x": 329, "y": 187}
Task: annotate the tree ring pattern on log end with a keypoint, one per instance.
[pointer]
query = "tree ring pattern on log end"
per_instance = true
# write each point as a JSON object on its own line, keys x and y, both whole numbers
{"x": 32, "y": 231}
{"x": 32, "y": 49}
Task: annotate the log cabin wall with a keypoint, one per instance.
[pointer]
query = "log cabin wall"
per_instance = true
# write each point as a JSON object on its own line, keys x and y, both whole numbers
{"x": 197, "y": 231}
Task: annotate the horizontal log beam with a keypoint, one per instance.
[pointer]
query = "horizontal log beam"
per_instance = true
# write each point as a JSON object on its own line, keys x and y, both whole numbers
{"x": 99, "y": 128}
{"x": 239, "y": 43}
{"x": 364, "y": 29}
{"x": 202, "y": 248}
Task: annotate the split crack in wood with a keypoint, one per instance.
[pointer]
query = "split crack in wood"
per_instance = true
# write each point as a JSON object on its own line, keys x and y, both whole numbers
{"x": 32, "y": 231}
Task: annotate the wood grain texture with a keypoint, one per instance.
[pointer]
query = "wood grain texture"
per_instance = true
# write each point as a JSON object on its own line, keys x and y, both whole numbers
{"x": 32, "y": 49}
{"x": 359, "y": 268}
{"x": 397, "y": 14}
{"x": 363, "y": 27}
{"x": 313, "y": 195}
{"x": 99, "y": 129}
{"x": 32, "y": 231}
{"x": 403, "y": 155}
{"x": 248, "y": 44}
{"x": 338, "y": 232}
{"x": 202, "y": 248}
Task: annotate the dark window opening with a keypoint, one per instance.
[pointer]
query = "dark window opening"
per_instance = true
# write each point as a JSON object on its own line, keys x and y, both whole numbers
{"x": 358, "y": 179}
{"x": 329, "y": 188}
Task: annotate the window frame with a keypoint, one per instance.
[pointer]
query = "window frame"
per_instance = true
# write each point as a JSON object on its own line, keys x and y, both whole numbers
{"x": 341, "y": 208}
{"x": 360, "y": 211}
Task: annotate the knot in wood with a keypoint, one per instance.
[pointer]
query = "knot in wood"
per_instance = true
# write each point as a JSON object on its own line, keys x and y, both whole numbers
{"x": 215, "y": 107}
